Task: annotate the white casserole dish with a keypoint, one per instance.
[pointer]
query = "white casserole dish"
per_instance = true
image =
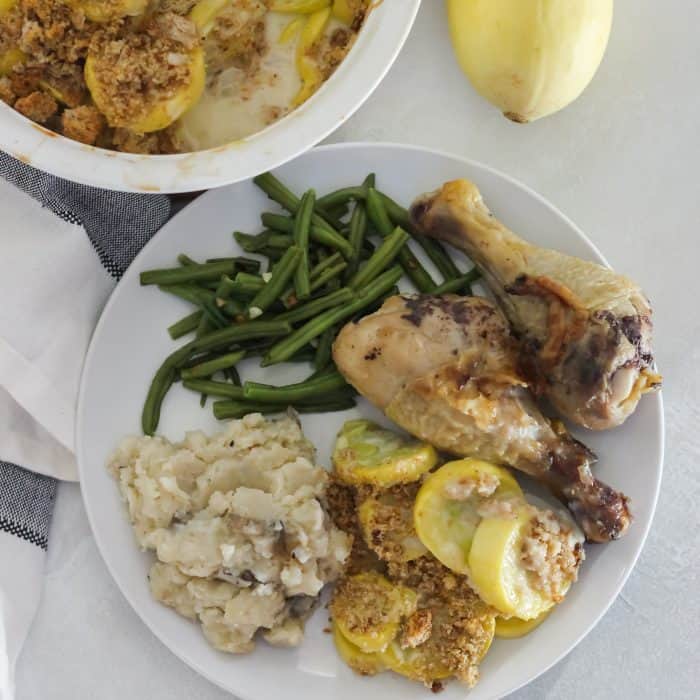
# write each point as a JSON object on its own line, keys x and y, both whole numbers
{"x": 379, "y": 42}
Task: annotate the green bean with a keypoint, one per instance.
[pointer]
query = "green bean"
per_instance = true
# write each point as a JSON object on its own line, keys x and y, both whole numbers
{"x": 233, "y": 376}
{"x": 185, "y": 260}
{"x": 433, "y": 249}
{"x": 185, "y": 325}
{"x": 251, "y": 330}
{"x": 233, "y": 308}
{"x": 290, "y": 299}
{"x": 356, "y": 238}
{"x": 218, "y": 364}
{"x": 242, "y": 263}
{"x": 276, "y": 191}
{"x": 211, "y": 285}
{"x": 459, "y": 284}
{"x": 302, "y": 223}
{"x": 315, "y": 306}
{"x": 225, "y": 289}
{"x": 382, "y": 258}
{"x": 272, "y": 254}
{"x": 291, "y": 393}
{"x": 408, "y": 261}
{"x": 162, "y": 381}
{"x": 211, "y": 311}
{"x": 246, "y": 285}
{"x": 341, "y": 197}
{"x": 266, "y": 239}
{"x": 222, "y": 338}
{"x": 338, "y": 212}
{"x": 189, "y": 273}
{"x": 237, "y": 409}
{"x": 277, "y": 222}
{"x": 188, "y": 292}
{"x": 319, "y": 235}
{"x": 205, "y": 326}
{"x": 305, "y": 354}
{"x": 345, "y": 194}
{"x": 281, "y": 274}
{"x": 313, "y": 328}
{"x": 247, "y": 264}
{"x": 324, "y": 347}
{"x": 211, "y": 388}
{"x": 327, "y": 276}
{"x": 317, "y": 374}
{"x": 323, "y": 265}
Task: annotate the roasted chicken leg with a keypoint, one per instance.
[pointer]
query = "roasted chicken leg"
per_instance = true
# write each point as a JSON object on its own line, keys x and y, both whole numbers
{"x": 445, "y": 369}
{"x": 585, "y": 331}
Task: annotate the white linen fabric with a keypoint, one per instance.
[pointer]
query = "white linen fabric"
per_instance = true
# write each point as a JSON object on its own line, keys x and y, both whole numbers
{"x": 62, "y": 248}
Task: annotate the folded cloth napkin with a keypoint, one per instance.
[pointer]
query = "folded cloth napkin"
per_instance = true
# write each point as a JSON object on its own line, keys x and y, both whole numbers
{"x": 54, "y": 281}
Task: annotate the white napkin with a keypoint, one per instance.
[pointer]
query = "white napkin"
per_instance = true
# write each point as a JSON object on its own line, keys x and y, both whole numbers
{"x": 57, "y": 267}
{"x": 54, "y": 287}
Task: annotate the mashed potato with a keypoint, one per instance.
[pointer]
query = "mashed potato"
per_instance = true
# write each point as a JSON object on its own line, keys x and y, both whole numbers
{"x": 236, "y": 522}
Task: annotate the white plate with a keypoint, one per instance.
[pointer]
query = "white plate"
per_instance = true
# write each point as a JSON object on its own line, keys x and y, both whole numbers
{"x": 375, "y": 50}
{"x": 130, "y": 341}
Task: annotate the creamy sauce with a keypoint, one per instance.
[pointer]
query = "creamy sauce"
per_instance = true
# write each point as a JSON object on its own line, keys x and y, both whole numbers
{"x": 235, "y": 104}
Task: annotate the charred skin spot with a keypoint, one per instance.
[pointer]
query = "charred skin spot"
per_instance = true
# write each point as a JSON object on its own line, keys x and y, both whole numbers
{"x": 464, "y": 311}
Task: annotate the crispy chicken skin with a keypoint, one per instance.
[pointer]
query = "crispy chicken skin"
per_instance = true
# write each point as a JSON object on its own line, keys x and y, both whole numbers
{"x": 446, "y": 370}
{"x": 585, "y": 331}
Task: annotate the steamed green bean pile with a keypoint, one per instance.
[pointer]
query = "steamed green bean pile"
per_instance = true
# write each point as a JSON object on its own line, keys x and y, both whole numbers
{"x": 320, "y": 264}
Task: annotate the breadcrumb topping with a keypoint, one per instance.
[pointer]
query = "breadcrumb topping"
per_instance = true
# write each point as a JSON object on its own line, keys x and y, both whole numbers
{"x": 552, "y": 554}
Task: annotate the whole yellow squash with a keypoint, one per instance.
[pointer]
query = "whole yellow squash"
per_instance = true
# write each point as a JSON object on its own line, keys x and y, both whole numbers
{"x": 530, "y": 58}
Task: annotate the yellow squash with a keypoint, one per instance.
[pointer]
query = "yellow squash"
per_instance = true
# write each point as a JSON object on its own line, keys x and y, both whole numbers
{"x": 365, "y": 453}
{"x": 358, "y": 660}
{"x": 514, "y": 627}
{"x": 444, "y": 520}
{"x": 530, "y": 58}
{"x": 497, "y": 574}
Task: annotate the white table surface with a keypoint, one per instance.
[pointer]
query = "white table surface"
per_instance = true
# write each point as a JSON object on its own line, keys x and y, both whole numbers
{"x": 622, "y": 162}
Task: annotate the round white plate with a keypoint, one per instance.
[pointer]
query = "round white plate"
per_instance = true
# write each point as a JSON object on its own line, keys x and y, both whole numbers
{"x": 130, "y": 341}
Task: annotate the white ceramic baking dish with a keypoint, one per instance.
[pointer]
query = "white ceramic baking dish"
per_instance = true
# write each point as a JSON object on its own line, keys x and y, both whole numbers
{"x": 378, "y": 44}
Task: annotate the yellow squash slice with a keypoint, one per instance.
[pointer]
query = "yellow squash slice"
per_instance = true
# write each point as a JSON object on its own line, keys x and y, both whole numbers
{"x": 162, "y": 113}
{"x": 367, "y": 610}
{"x": 311, "y": 75}
{"x": 514, "y": 627}
{"x": 358, "y": 660}
{"x": 445, "y": 511}
{"x": 9, "y": 59}
{"x": 368, "y": 454}
{"x": 498, "y": 573}
{"x": 386, "y": 521}
{"x": 449, "y": 646}
{"x": 101, "y": 12}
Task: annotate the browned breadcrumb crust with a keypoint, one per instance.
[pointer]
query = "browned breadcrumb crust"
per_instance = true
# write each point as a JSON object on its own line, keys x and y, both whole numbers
{"x": 332, "y": 48}
{"x": 391, "y": 522}
{"x": 84, "y": 124}
{"x": 417, "y": 629}
{"x": 340, "y": 502}
{"x": 452, "y": 628}
{"x": 141, "y": 69}
{"x": 7, "y": 94}
{"x": 238, "y": 38}
{"x": 462, "y": 624}
{"x": 37, "y": 106}
{"x": 365, "y": 602}
{"x": 137, "y": 58}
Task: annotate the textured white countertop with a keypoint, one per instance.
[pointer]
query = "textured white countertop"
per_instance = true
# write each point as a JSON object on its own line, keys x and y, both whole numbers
{"x": 622, "y": 162}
